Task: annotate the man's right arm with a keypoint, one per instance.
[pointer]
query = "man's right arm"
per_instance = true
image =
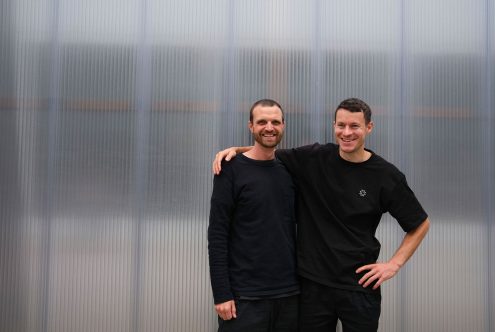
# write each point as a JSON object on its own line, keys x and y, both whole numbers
{"x": 227, "y": 154}
{"x": 221, "y": 211}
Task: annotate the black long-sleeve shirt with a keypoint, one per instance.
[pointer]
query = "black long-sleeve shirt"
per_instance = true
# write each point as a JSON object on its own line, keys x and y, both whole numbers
{"x": 252, "y": 230}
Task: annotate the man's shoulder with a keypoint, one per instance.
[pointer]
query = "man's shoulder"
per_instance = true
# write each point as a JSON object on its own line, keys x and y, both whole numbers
{"x": 385, "y": 168}
{"x": 237, "y": 160}
{"x": 310, "y": 148}
{"x": 230, "y": 167}
{"x": 318, "y": 147}
{"x": 242, "y": 164}
{"x": 327, "y": 147}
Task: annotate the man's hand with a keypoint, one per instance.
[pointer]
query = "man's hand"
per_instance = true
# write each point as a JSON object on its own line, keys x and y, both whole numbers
{"x": 226, "y": 154}
{"x": 379, "y": 272}
{"x": 226, "y": 310}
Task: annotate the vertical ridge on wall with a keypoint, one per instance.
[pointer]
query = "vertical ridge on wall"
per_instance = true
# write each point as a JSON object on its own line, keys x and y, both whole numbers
{"x": 141, "y": 168}
{"x": 50, "y": 191}
{"x": 489, "y": 140}
{"x": 12, "y": 297}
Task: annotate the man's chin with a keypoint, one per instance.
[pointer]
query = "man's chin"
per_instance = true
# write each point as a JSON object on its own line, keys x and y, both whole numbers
{"x": 347, "y": 147}
{"x": 269, "y": 145}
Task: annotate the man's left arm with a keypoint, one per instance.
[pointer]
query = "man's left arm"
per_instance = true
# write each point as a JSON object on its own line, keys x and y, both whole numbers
{"x": 381, "y": 272}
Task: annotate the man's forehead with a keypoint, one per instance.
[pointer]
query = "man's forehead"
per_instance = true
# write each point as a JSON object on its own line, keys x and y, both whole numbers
{"x": 267, "y": 111}
{"x": 345, "y": 115}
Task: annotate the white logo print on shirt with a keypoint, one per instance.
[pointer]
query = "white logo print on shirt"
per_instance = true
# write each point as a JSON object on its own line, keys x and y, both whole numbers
{"x": 362, "y": 193}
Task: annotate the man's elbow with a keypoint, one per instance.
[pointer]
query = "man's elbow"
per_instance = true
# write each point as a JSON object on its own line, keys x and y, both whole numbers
{"x": 426, "y": 225}
{"x": 423, "y": 228}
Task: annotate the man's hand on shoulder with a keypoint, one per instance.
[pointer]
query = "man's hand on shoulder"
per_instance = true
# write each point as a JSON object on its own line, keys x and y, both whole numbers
{"x": 226, "y": 310}
{"x": 227, "y": 154}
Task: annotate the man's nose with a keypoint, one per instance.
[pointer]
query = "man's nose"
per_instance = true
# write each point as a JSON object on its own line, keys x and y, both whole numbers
{"x": 347, "y": 130}
{"x": 269, "y": 126}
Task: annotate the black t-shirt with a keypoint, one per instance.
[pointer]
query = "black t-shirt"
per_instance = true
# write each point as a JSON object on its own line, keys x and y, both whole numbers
{"x": 339, "y": 206}
{"x": 252, "y": 230}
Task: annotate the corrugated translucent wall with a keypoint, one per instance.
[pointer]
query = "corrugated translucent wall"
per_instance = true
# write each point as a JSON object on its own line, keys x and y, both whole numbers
{"x": 111, "y": 112}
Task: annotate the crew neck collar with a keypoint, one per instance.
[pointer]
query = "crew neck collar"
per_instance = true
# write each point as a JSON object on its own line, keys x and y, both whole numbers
{"x": 267, "y": 162}
{"x": 355, "y": 162}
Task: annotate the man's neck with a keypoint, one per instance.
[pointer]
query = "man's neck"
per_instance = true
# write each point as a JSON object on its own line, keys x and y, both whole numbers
{"x": 355, "y": 157}
{"x": 260, "y": 153}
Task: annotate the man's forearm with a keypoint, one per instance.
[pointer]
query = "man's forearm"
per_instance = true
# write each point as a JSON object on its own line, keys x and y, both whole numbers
{"x": 242, "y": 149}
{"x": 410, "y": 243}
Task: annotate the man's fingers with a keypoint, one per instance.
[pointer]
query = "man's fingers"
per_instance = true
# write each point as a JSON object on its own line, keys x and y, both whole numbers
{"x": 216, "y": 168}
{"x": 370, "y": 280}
{"x": 217, "y": 165}
{"x": 366, "y": 267}
{"x": 229, "y": 153}
{"x": 378, "y": 283}
{"x": 214, "y": 165}
{"x": 226, "y": 310}
{"x": 225, "y": 314}
{"x": 234, "y": 311}
{"x": 365, "y": 277}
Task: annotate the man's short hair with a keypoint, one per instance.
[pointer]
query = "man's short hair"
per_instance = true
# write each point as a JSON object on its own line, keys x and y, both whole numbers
{"x": 355, "y": 105}
{"x": 265, "y": 103}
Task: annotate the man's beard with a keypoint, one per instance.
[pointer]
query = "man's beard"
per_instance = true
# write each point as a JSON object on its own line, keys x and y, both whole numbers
{"x": 259, "y": 138}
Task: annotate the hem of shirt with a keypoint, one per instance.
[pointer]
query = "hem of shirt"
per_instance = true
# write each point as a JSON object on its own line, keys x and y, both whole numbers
{"x": 270, "y": 297}
{"x": 288, "y": 291}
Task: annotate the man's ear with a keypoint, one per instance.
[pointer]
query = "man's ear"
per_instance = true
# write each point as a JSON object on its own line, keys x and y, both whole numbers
{"x": 370, "y": 127}
{"x": 250, "y": 126}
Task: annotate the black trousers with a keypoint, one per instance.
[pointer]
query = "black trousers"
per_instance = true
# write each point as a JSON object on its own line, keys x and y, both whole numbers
{"x": 321, "y": 306}
{"x": 270, "y": 315}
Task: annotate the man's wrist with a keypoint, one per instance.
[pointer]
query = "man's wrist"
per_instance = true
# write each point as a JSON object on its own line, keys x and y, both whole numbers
{"x": 397, "y": 264}
{"x": 223, "y": 299}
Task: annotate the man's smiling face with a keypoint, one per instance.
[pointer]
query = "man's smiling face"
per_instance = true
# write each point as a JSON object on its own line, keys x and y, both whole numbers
{"x": 351, "y": 130}
{"x": 267, "y": 126}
